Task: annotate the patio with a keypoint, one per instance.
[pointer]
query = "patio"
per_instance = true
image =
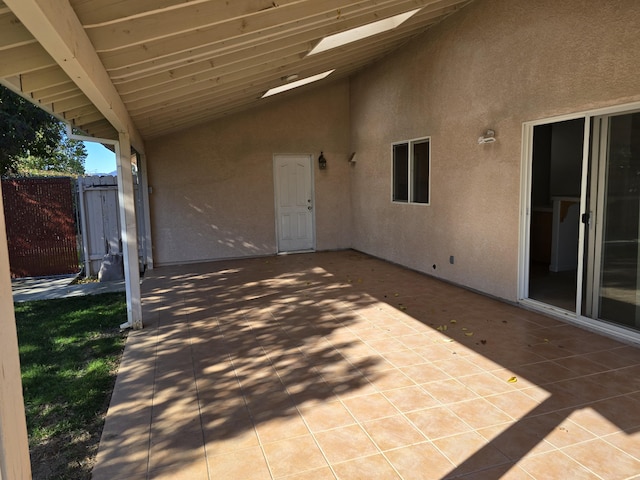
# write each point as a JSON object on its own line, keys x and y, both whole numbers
{"x": 339, "y": 365}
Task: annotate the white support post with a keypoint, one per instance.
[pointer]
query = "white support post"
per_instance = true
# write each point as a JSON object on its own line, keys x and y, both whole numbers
{"x": 128, "y": 224}
{"x": 84, "y": 226}
{"x": 14, "y": 445}
{"x": 146, "y": 211}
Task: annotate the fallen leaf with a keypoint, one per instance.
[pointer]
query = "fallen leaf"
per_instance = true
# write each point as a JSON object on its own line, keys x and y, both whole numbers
{"x": 403, "y": 308}
{"x": 464, "y": 329}
{"x": 513, "y": 380}
{"x": 448, "y": 340}
{"x": 468, "y": 334}
{"x": 396, "y": 294}
{"x": 546, "y": 340}
{"x": 453, "y": 321}
{"x": 484, "y": 342}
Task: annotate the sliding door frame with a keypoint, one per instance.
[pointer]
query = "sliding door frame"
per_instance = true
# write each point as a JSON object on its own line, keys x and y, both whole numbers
{"x": 595, "y": 123}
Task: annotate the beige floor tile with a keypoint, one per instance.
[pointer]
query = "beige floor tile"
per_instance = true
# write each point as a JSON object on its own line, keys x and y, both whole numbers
{"x": 393, "y": 432}
{"x": 280, "y": 428}
{"x": 325, "y": 416}
{"x": 293, "y": 456}
{"x": 479, "y": 413}
{"x": 449, "y": 391}
{"x": 366, "y": 468}
{"x": 390, "y": 379}
{"x": 410, "y": 399}
{"x": 627, "y": 442}
{"x": 248, "y": 464}
{"x": 188, "y": 471}
{"x": 330, "y": 342}
{"x": 315, "y": 474}
{"x": 438, "y": 422}
{"x": 370, "y": 407}
{"x": 403, "y": 358}
{"x": 604, "y": 459}
{"x": 555, "y": 464}
{"x": 470, "y": 452}
{"x": 420, "y": 462}
{"x": 513, "y": 403}
{"x": 345, "y": 443}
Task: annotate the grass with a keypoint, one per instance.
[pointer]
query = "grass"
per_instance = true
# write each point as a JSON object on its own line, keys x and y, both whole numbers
{"x": 70, "y": 350}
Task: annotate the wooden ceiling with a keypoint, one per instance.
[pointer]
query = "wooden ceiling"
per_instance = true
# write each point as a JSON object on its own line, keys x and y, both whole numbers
{"x": 156, "y": 66}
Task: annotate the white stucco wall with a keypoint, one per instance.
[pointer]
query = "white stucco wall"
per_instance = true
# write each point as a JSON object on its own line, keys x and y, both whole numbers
{"x": 212, "y": 186}
{"x": 495, "y": 64}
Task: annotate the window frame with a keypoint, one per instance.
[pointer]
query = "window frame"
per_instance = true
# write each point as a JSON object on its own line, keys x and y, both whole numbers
{"x": 410, "y": 169}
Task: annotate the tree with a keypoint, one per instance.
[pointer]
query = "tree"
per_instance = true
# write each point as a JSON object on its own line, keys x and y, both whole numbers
{"x": 31, "y": 139}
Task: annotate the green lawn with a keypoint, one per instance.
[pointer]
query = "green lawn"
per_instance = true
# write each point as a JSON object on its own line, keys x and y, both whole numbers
{"x": 69, "y": 354}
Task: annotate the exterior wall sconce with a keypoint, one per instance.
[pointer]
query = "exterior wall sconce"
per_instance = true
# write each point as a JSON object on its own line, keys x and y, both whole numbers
{"x": 488, "y": 137}
{"x": 322, "y": 162}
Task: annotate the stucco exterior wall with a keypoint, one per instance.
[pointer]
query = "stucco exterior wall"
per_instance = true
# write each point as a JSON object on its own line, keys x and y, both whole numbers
{"x": 495, "y": 64}
{"x": 213, "y": 188}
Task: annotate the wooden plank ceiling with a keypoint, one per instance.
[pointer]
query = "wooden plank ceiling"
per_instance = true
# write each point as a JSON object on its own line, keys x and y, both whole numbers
{"x": 178, "y": 63}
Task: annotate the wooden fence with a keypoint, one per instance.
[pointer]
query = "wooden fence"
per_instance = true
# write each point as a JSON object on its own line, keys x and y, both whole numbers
{"x": 40, "y": 222}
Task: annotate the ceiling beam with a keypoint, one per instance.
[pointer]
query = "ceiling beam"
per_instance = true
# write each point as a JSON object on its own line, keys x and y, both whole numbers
{"x": 163, "y": 24}
{"x": 46, "y": 77}
{"x": 24, "y": 58}
{"x": 97, "y": 12}
{"x": 57, "y": 28}
{"x": 271, "y": 24}
{"x": 12, "y": 32}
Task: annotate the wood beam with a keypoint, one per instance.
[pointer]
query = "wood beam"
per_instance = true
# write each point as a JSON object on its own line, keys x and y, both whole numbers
{"x": 207, "y": 42}
{"x": 258, "y": 79}
{"x": 197, "y": 76}
{"x": 25, "y": 58}
{"x": 54, "y": 24}
{"x": 163, "y": 24}
{"x": 14, "y": 446}
{"x": 79, "y": 100}
{"x": 95, "y": 12}
{"x": 12, "y": 32}
{"x": 46, "y": 77}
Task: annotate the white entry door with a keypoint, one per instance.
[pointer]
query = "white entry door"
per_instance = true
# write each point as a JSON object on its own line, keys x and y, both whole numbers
{"x": 294, "y": 203}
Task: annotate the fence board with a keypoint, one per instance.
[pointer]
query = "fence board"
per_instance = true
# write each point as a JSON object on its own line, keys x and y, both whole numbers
{"x": 40, "y": 223}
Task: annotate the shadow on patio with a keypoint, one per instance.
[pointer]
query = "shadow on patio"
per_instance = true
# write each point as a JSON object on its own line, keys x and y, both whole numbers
{"x": 340, "y": 365}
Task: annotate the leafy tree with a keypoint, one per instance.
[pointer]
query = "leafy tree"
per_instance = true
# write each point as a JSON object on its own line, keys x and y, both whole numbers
{"x": 31, "y": 139}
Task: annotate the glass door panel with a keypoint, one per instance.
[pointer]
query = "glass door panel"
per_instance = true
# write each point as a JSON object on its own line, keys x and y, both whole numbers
{"x": 619, "y": 273}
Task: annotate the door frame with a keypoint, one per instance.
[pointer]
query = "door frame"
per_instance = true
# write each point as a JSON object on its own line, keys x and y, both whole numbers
{"x": 312, "y": 193}
{"x": 599, "y": 326}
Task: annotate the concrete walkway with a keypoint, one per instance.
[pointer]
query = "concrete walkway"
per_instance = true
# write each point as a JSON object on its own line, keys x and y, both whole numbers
{"x": 47, "y": 288}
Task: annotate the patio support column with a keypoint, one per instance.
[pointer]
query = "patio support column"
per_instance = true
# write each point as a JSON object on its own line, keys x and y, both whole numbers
{"x": 14, "y": 446}
{"x": 146, "y": 211}
{"x": 129, "y": 232}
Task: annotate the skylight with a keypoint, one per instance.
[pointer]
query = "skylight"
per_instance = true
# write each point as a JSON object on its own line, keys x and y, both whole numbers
{"x": 358, "y": 33}
{"x": 299, "y": 83}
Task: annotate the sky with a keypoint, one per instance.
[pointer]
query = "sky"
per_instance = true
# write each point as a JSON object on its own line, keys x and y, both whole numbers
{"x": 99, "y": 160}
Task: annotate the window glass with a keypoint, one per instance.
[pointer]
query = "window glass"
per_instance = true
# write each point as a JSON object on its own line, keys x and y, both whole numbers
{"x": 411, "y": 171}
{"x": 420, "y": 173}
{"x": 401, "y": 172}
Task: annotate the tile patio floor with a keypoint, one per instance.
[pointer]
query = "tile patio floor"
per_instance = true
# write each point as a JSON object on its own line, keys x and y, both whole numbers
{"x": 338, "y": 365}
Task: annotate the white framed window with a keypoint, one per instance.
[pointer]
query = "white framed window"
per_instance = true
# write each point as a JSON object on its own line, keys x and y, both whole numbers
{"x": 411, "y": 171}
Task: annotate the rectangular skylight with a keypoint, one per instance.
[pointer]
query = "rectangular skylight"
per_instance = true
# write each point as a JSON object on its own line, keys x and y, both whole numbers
{"x": 298, "y": 83}
{"x": 358, "y": 33}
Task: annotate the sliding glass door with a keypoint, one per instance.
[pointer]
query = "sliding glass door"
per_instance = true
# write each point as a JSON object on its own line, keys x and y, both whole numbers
{"x": 583, "y": 248}
{"x": 616, "y": 272}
